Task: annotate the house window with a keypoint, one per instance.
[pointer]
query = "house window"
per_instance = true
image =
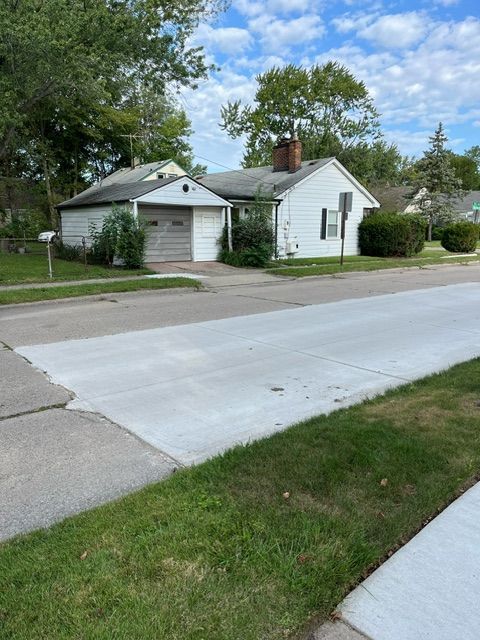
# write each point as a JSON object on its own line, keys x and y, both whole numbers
{"x": 172, "y": 175}
{"x": 332, "y": 224}
{"x": 160, "y": 176}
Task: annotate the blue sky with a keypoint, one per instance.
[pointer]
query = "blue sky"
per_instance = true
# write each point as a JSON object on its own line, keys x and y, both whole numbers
{"x": 420, "y": 61}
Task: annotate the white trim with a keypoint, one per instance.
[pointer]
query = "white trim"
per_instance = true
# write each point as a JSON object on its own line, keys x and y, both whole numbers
{"x": 221, "y": 201}
{"x": 345, "y": 172}
{"x": 192, "y": 234}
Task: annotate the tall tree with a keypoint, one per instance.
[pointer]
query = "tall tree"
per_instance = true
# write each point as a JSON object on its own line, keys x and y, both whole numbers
{"x": 325, "y": 105}
{"x": 68, "y": 65}
{"x": 466, "y": 171}
{"x": 436, "y": 184}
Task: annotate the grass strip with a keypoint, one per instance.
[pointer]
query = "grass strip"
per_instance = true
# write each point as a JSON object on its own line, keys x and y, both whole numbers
{"x": 221, "y": 551}
{"x": 318, "y": 268}
{"x": 72, "y": 291}
{"x": 32, "y": 268}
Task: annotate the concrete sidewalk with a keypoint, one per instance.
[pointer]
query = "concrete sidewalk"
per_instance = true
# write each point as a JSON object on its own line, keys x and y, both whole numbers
{"x": 428, "y": 590}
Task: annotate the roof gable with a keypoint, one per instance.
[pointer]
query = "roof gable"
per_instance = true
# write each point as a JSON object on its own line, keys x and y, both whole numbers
{"x": 149, "y": 191}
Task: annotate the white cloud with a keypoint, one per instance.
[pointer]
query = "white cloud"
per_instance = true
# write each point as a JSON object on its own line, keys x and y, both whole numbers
{"x": 396, "y": 31}
{"x": 287, "y": 33}
{"x": 229, "y": 40}
{"x": 252, "y": 8}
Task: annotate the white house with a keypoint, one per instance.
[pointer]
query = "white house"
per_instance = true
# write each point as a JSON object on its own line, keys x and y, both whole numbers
{"x": 305, "y": 199}
{"x": 185, "y": 218}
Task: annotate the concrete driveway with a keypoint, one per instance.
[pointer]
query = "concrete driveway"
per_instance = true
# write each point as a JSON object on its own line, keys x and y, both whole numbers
{"x": 194, "y": 390}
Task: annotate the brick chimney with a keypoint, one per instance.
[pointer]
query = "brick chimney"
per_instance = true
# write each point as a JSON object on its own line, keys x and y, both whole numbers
{"x": 280, "y": 155}
{"x": 287, "y": 155}
{"x": 294, "y": 154}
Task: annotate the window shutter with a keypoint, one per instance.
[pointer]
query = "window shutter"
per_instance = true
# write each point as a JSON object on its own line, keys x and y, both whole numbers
{"x": 323, "y": 231}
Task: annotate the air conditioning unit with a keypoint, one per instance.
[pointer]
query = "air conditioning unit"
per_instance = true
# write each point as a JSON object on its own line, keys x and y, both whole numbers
{"x": 291, "y": 247}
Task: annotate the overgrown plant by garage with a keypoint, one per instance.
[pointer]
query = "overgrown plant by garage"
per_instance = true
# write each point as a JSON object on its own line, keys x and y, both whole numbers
{"x": 392, "y": 234}
{"x": 252, "y": 236}
{"x": 122, "y": 237}
{"x": 460, "y": 237}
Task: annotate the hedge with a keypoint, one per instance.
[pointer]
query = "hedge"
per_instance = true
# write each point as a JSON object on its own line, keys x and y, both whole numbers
{"x": 460, "y": 237}
{"x": 391, "y": 234}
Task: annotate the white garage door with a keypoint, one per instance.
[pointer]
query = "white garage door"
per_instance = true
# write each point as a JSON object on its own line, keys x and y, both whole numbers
{"x": 169, "y": 234}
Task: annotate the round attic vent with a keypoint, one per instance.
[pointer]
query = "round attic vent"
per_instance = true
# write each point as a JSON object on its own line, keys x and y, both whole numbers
{"x": 186, "y": 188}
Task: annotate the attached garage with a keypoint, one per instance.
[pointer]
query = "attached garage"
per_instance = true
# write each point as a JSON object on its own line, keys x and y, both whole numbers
{"x": 169, "y": 233}
{"x": 184, "y": 218}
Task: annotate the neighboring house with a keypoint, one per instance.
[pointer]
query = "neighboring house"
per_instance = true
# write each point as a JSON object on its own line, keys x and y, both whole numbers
{"x": 400, "y": 200}
{"x": 185, "y": 218}
{"x": 305, "y": 200}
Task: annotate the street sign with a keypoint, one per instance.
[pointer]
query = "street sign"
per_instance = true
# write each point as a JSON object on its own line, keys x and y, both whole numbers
{"x": 345, "y": 201}
{"x": 475, "y": 206}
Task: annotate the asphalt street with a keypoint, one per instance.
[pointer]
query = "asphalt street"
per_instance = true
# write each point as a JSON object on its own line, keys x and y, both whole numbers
{"x": 56, "y": 461}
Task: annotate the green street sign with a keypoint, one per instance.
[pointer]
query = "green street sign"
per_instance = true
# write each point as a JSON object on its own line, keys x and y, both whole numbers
{"x": 475, "y": 206}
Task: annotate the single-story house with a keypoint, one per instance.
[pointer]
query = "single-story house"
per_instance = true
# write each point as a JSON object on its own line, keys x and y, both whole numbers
{"x": 186, "y": 216}
{"x": 305, "y": 199}
{"x": 400, "y": 200}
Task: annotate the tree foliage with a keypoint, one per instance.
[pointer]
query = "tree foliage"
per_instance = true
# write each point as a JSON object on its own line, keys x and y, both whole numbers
{"x": 436, "y": 184}
{"x": 326, "y": 106}
{"x": 74, "y": 75}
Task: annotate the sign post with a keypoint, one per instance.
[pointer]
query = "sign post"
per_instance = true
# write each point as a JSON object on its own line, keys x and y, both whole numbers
{"x": 344, "y": 206}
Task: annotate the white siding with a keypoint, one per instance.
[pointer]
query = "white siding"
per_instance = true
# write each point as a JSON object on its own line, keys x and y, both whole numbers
{"x": 206, "y": 232}
{"x": 173, "y": 193}
{"x": 301, "y": 210}
{"x": 170, "y": 168}
{"x": 76, "y": 222}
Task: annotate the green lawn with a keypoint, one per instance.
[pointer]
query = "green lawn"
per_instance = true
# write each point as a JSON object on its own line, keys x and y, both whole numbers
{"x": 301, "y": 267}
{"x": 218, "y": 552}
{"x": 18, "y": 268}
{"x": 16, "y": 296}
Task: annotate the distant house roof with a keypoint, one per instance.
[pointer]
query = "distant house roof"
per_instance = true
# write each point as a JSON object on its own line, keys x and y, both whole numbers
{"x": 465, "y": 204}
{"x": 244, "y": 183}
{"x": 393, "y": 199}
{"x": 115, "y": 193}
{"x": 137, "y": 174}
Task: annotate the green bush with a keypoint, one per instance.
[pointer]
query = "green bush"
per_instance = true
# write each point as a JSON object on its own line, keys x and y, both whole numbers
{"x": 252, "y": 237}
{"x": 437, "y": 232}
{"x": 122, "y": 236}
{"x": 391, "y": 234}
{"x": 70, "y": 252}
{"x": 460, "y": 237}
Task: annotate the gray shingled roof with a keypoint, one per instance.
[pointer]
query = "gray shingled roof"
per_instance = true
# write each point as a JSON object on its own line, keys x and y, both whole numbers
{"x": 463, "y": 205}
{"x": 114, "y": 193}
{"x": 243, "y": 184}
{"x": 133, "y": 175}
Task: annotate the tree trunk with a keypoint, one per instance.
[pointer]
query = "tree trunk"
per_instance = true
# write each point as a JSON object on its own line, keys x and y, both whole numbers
{"x": 429, "y": 231}
{"x": 48, "y": 187}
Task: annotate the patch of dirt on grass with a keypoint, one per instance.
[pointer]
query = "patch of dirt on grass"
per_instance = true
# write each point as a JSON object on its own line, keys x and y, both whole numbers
{"x": 428, "y": 410}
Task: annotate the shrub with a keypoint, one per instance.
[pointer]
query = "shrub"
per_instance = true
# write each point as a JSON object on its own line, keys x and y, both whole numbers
{"x": 437, "y": 232}
{"x": 252, "y": 237}
{"x": 391, "y": 234}
{"x": 460, "y": 237}
{"x": 122, "y": 236}
{"x": 70, "y": 252}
